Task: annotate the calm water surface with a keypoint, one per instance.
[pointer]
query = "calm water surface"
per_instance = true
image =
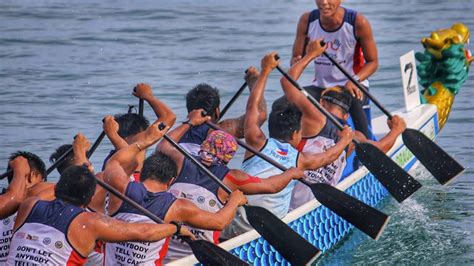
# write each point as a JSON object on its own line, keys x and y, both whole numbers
{"x": 63, "y": 66}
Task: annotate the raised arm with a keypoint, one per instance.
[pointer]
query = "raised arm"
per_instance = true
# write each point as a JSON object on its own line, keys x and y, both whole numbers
{"x": 369, "y": 48}
{"x": 311, "y": 115}
{"x": 122, "y": 164}
{"x": 235, "y": 126}
{"x": 187, "y": 212}
{"x": 254, "y": 135}
{"x": 397, "y": 126}
{"x": 317, "y": 160}
{"x": 195, "y": 118}
{"x": 10, "y": 201}
{"x": 249, "y": 185}
{"x": 300, "y": 38}
{"x": 162, "y": 111}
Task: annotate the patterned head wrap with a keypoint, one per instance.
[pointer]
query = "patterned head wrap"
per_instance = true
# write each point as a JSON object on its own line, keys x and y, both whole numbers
{"x": 219, "y": 147}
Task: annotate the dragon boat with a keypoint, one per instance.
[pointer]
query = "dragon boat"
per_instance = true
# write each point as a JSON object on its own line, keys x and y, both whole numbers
{"x": 442, "y": 69}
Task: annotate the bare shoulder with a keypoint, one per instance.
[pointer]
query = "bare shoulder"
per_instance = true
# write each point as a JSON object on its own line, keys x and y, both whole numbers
{"x": 361, "y": 21}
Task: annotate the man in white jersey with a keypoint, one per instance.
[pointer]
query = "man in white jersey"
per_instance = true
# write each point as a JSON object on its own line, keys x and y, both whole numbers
{"x": 29, "y": 173}
{"x": 285, "y": 134}
{"x": 350, "y": 41}
{"x": 319, "y": 133}
{"x": 158, "y": 172}
{"x": 61, "y": 232}
{"x": 194, "y": 185}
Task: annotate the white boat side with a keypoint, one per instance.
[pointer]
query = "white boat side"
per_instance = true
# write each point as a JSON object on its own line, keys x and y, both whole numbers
{"x": 423, "y": 117}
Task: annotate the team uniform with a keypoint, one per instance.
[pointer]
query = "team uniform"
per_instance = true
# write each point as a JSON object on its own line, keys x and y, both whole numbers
{"x": 143, "y": 253}
{"x": 193, "y": 138}
{"x": 277, "y": 203}
{"x": 343, "y": 46}
{"x": 194, "y": 185}
{"x": 329, "y": 174}
{"x": 42, "y": 238}
{"x": 6, "y": 227}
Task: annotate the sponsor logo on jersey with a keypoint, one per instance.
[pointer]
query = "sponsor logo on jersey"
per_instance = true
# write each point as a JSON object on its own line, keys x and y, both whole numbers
{"x": 212, "y": 203}
{"x": 201, "y": 199}
{"x": 58, "y": 244}
{"x": 31, "y": 237}
{"x": 47, "y": 241}
{"x": 6, "y": 221}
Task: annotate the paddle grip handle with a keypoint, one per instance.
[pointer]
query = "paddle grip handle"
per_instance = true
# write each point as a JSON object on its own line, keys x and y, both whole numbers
{"x": 357, "y": 83}
{"x": 198, "y": 164}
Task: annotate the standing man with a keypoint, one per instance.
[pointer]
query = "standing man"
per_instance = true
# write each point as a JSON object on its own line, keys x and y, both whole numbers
{"x": 350, "y": 41}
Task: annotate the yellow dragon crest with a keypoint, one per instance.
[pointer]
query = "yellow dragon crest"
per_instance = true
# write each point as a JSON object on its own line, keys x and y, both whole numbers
{"x": 443, "y": 67}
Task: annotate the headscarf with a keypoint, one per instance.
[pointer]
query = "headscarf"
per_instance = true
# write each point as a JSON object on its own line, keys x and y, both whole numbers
{"x": 219, "y": 147}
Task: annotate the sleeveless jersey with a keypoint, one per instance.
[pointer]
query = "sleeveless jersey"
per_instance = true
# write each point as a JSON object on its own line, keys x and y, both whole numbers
{"x": 42, "y": 238}
{"x": 143, "y": 253}
{"x": 329, "y": 174}
{"x": 194, "y": 185}
{"x": 342, "y": 45}
{"x": 6, "y": 226}
{"x": 277, "y": 203}
{"x": 191, "y": 141}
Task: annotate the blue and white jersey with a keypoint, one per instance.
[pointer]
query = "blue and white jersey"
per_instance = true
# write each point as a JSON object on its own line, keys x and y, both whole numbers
{"x": 329, "y": 174}
{"x": 193, "y": 138}
{"x": 277, "y": 203}
{"x": 6, "y": 228}
{"x": 42, "y": 238}
{"x": 342, "y": 46}
{"x": 143, "y": 253}
{"x": 193, "y": 184}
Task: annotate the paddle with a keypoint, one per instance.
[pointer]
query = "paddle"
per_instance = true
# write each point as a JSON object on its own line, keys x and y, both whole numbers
{"x": 206, "y": 252}
{"x": 233, "y": 99}
{"x": 141, "y": 106}
{"x": 438, "y": 162}
{"x": 369, "y": 220}
{"x": 293, "y": 247}
{"x": 398, "y": 182}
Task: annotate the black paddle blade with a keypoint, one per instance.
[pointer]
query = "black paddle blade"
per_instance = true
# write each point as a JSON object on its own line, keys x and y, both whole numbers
{"x": 369, "y": 220}
{"x": 209, "y": 254}
{"x": 398, "y": 182}
{"x": 293, "y": 247}
{"x": 438, "y": 162}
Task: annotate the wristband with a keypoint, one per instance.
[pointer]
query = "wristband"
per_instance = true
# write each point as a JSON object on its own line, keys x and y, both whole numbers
{"x": 188, "y": 122}
{"x": 356, "y": 77}
{"x": 178, "y": 227}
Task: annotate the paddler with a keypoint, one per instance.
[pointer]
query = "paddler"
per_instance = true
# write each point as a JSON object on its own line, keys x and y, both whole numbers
{"x": 159, "y": 171}
{"x": 61, "y": 232}
{"x": 284, "y": 127}
{"x": 28, "y": 170}
{"x": 131, "y": 126}
{"x": 319, "y": 134}
{"x": 204, "y": 96}
{"x": 350, "y": 41}
{"x": 194, "y": 185}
